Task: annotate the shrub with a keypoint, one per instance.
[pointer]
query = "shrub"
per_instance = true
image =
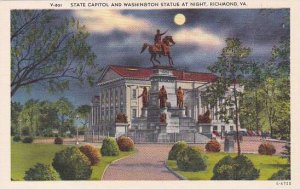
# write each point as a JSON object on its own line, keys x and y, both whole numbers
{"x": 27, "y": 140}
{"x": 191, "y": 159}
{"x": 109, "y": 147}
{"x": 17, "y": 138}
{"x": 213, "y": 146}
{"x": 237, "y": 168}
{"x": 266, "y": 149}
{"x": 125, "y": 143}
{"x": 284, "y": 174}
{"x": 58, "y": 140}
{"x": 41, "y": 172}
{"x": 176, "y": 148}
{"x": 91, "y": 152}
{"x": 287, "y": 152}
{"x": 71, "y": 164}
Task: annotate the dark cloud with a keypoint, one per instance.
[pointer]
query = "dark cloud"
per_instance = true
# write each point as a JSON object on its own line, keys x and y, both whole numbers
{"x": 257, "y": 29}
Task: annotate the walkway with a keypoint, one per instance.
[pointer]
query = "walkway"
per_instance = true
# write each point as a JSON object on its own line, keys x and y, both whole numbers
{"x": 146, "y": 164}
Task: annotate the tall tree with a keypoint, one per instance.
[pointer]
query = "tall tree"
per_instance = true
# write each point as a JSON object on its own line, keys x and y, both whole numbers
{"x": 230, "y": 69}
{"x": 49, "y": 49}
{"x": 251, "y": 101}
{"x": 29, "y": 116}
{"x": 65, "y": 112}
{"x": 48, "y": 117}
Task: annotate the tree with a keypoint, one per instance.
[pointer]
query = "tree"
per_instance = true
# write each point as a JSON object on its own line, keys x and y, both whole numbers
{"x": 16, "y": 109}
{"x": 29, "y": 117}
{"x": 48, "y": 118}
{"x": 65, "y": 112}
{"x": 83, "y": 112}
{"x": 251, "y": 100}
{"x": 49, "y": 50}
{"x": 230, "y": 69}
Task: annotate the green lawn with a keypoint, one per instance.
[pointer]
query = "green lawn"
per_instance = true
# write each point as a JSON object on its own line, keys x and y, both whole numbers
{"x": 25, "y": 156}
{"x": 267, "y": 165}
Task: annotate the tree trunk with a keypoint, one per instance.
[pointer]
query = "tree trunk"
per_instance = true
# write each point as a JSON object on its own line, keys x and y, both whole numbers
{"x": 236, "y": 120}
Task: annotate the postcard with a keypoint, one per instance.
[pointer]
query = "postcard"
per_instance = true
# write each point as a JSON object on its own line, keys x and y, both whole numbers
{"x": 164, "y": 94}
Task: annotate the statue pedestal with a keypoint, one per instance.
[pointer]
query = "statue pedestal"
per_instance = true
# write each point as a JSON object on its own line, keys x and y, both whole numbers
{"x": 181, "y": 112}
{"x": 144, "y": 112}
{"x": 121, "y": 129}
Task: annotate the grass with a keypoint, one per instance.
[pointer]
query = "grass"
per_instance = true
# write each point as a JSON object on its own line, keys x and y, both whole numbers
{"x": 25, "y": 156}
{"x": 267, "y": 165}
{"x": 99, "y": 168}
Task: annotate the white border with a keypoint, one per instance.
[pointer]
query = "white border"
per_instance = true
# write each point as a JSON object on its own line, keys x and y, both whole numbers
{"x": 5, "y": 182}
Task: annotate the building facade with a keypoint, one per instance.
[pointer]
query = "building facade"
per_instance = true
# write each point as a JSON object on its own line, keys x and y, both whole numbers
{"x": 120, "y": 87}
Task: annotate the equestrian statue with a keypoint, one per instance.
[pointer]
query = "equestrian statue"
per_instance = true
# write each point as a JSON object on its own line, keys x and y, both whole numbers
{"x": 162, "y": 46}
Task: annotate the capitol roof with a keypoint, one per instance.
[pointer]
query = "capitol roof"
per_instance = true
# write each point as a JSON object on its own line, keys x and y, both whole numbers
{"x": 145, "y": 73}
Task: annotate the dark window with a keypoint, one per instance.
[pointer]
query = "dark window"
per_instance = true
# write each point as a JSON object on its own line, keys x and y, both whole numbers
{"x": 133, "y": 93}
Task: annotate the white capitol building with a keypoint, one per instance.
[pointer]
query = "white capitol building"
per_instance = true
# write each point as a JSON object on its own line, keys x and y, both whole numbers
{"x": 119, "y": 88}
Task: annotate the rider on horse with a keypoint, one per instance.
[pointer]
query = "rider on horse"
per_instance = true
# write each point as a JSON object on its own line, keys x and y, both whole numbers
{"x": 157, "y": 41}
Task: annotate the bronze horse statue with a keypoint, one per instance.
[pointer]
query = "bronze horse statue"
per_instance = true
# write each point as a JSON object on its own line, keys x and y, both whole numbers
{"x": 165, "y": 50}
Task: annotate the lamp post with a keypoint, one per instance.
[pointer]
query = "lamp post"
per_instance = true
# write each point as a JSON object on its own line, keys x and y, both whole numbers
{"x": 77, "y": 142}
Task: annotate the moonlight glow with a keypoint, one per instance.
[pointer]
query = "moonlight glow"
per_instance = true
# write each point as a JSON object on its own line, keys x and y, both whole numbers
{"x": 179, "y": 19}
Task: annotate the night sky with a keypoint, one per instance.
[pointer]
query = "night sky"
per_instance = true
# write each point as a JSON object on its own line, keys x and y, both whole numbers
{"x": 117, "y": 37}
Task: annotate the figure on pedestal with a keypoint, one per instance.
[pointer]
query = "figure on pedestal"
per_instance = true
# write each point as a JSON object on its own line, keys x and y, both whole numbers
{"x": 162, "y": 95}
{"x": 144, "y": 96}
{"x": 180, "y": 96}
{"x": 162, "y": 46}
{"x": 158, "y": 43}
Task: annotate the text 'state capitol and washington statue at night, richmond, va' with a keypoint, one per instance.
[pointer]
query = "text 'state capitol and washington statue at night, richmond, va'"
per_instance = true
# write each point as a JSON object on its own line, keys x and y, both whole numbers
{"x": 154, "y": 104}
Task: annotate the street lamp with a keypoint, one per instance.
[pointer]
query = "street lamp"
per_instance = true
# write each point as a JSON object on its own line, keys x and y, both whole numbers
{"x": 77, "y": 142}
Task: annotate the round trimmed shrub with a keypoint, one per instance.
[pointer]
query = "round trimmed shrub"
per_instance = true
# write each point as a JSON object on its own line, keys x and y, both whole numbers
{"x": 71, "y": 164}
{"x": 27, "y": 140}
{"x": 213, "y": 146}
{"x": 284, "y": 174}
{"x": 17, "y": 138}
{"x": 41, "y": 172}
{"x": 91, "y": 152}
{"x": 109, "y": 147}
{"x": 58, "y": 140}
{"x": 237, "y": 168}
{"x": 176, "y": 148}
{"x": 191, "y": 159}
{"x": 266, "y": 148}
{"x": 125, "y": 143}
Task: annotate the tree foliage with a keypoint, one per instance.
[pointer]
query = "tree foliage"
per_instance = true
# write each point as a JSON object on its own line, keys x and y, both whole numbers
{"x": 266, "y": 99}
{"x": 48, "y": 49}
{"x": 230, "y": 69}
{"x": 41, "y": 118}
{"x": 83, "y": 112}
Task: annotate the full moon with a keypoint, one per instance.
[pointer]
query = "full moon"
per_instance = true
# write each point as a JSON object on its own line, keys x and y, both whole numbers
{"x": 179, "y": 19}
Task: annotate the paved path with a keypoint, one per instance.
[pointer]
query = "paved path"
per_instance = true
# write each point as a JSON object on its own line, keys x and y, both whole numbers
{"x": 146, "y": 164}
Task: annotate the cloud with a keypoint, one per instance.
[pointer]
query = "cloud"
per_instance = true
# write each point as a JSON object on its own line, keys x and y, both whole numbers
{"x": 105, "y": 21}
{"x": 198, "y": 36}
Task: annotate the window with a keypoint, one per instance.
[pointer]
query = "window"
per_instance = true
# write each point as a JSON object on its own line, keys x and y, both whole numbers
{"x": 231, "y": 128}
{"x": 222, "y": 128}
{"x": 134, "y": 113}
{"x": 215, "y": 128}
{"x": 133, "y": 93}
